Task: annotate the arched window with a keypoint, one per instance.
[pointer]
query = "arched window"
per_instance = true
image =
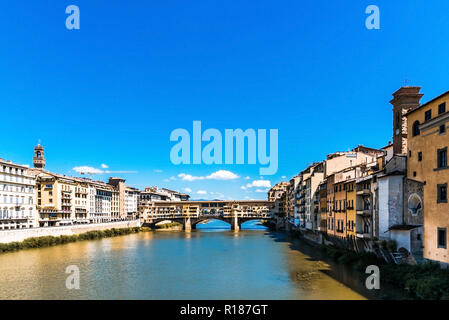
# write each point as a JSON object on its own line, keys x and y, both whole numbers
{"x": 38, "y": 154}
{"x": 414, "y": 204}
{"x": 416, "y": 130}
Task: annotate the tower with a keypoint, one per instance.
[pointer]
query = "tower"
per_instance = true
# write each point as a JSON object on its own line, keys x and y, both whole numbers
{"x": 39, "y": 159}
{"x": 404, "y": 100}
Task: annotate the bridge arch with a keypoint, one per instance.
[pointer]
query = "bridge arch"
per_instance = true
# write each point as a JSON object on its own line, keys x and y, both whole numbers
{"x": 198, "y": 221}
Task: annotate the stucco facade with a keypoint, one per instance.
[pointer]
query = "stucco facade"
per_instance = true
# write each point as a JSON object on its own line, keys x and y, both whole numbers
{"x": 427, "y": 163}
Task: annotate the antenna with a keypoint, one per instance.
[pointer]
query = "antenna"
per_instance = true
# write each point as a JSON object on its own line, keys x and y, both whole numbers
{"x": 406, "y": 81}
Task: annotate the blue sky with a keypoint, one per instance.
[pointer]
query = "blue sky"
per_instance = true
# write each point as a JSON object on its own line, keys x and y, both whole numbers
{"x": 112, "y": 92}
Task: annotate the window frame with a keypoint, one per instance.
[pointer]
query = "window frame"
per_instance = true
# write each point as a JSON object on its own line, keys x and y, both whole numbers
{"x": 439, "y": 187}
{"x": 439, "y": 152}
{"x": 442, "y": 108}
{"x": 415, "y": 129}
{"x": 441, "y": 246}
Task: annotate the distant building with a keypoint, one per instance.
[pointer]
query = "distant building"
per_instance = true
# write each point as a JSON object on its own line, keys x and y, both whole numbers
{"x": 132, "y": 199}
{"x": 277, "y": 191}
{"x": 151, "y": 194}
{"x": 278, "y": 194}
{"x": 64, "y": 200}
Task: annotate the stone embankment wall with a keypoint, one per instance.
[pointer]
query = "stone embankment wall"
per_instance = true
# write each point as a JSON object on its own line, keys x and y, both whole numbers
{"x": 18, "y": 235}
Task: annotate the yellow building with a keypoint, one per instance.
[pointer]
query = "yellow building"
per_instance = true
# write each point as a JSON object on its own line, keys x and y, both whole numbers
{"x": 340, "y": 208}
{"x": 330, "y": 205}
{"x": 55, "y": 200}
{"x": 428, "y": 142}
{"x": 350, "y": 208}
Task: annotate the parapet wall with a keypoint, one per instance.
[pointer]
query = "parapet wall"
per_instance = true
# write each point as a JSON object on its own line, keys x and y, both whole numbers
{"x": 18, "y": 235}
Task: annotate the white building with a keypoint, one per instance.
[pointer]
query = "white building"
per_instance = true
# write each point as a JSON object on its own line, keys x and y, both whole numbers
{"x": 100, "y": 202}
{"x": 17, "y": 197}
{"x": 132, "y": 196}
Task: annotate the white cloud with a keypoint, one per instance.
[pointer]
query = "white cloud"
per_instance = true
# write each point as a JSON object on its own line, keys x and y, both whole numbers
{"x": 223, "y": 175}
{"x": 87, "y": 170}
{"x": 201, "y": 192}
{"x": 92, "y": 170}
{"x": 217, "y": 175}
{"x": 158, "y": 170}
{"x": 104, "y": 166}
{"x": 217, "y": 195}
{"x": 187, "y": 177}
{"x": 262, "y": 190}
{"x": 187, "y": 190}
{"x": 283, "y": 177}
{"x": 247, "y": 178}
{"x": 243, "y": 187}
{"x": 259, "y": 183}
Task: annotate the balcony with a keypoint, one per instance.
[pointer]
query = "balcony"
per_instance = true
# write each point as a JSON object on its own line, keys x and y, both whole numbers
{"x": 363, "y": 191}
{"x": 364, "y": 212}
{"x": 363, "y": 235}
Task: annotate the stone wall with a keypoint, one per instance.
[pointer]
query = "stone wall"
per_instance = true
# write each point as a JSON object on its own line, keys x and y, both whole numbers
{"x": 7, "y": 236}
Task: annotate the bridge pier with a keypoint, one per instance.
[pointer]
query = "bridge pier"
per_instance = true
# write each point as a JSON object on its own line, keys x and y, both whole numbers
{"x": 235, "y": 224}
{"x": 187, "y": 224}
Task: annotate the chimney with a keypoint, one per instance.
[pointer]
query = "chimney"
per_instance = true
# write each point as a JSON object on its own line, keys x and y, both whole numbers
{"x": 404, "y": 100}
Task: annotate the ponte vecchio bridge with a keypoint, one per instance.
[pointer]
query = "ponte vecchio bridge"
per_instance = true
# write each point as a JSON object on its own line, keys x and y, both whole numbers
{"x": 190, "y": 213}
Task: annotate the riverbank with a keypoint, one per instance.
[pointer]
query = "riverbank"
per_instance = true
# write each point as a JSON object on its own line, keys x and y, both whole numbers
{"x": 171, "y": 226}
{"x": 18, "y": 235}
{"x": 48, "y": 241}
{"x": 426, "y": 281}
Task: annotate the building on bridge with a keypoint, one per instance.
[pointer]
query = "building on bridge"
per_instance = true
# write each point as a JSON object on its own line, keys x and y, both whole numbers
{"x": 190, "y": 213}
{"x": 151, "y": 194}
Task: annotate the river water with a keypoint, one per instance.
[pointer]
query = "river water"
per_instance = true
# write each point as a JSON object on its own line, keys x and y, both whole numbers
{"x": 207, "y": 263}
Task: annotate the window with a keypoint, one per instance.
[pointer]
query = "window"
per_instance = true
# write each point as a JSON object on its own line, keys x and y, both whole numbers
{"x": 442, "y": 108}
{"x": 442, "y": 238}
{"x": 414, "y": 173}
{"x": 419, "y": 156}
{"x": 397, "y": 120}
{"x": 442, "y": 129}
{"x": 442, "y": 158}
{"x": 416, "y": 130}
{"x": 410, "y": 153}
{"x": 442, "y": 193}
{"x": 428, "y": 115}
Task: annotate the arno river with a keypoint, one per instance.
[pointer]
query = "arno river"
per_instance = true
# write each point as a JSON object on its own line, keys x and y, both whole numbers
{"x": 202, "y": 264}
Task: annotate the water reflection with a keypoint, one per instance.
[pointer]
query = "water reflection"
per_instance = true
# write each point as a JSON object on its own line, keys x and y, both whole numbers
{"x": 252, "y": 264}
